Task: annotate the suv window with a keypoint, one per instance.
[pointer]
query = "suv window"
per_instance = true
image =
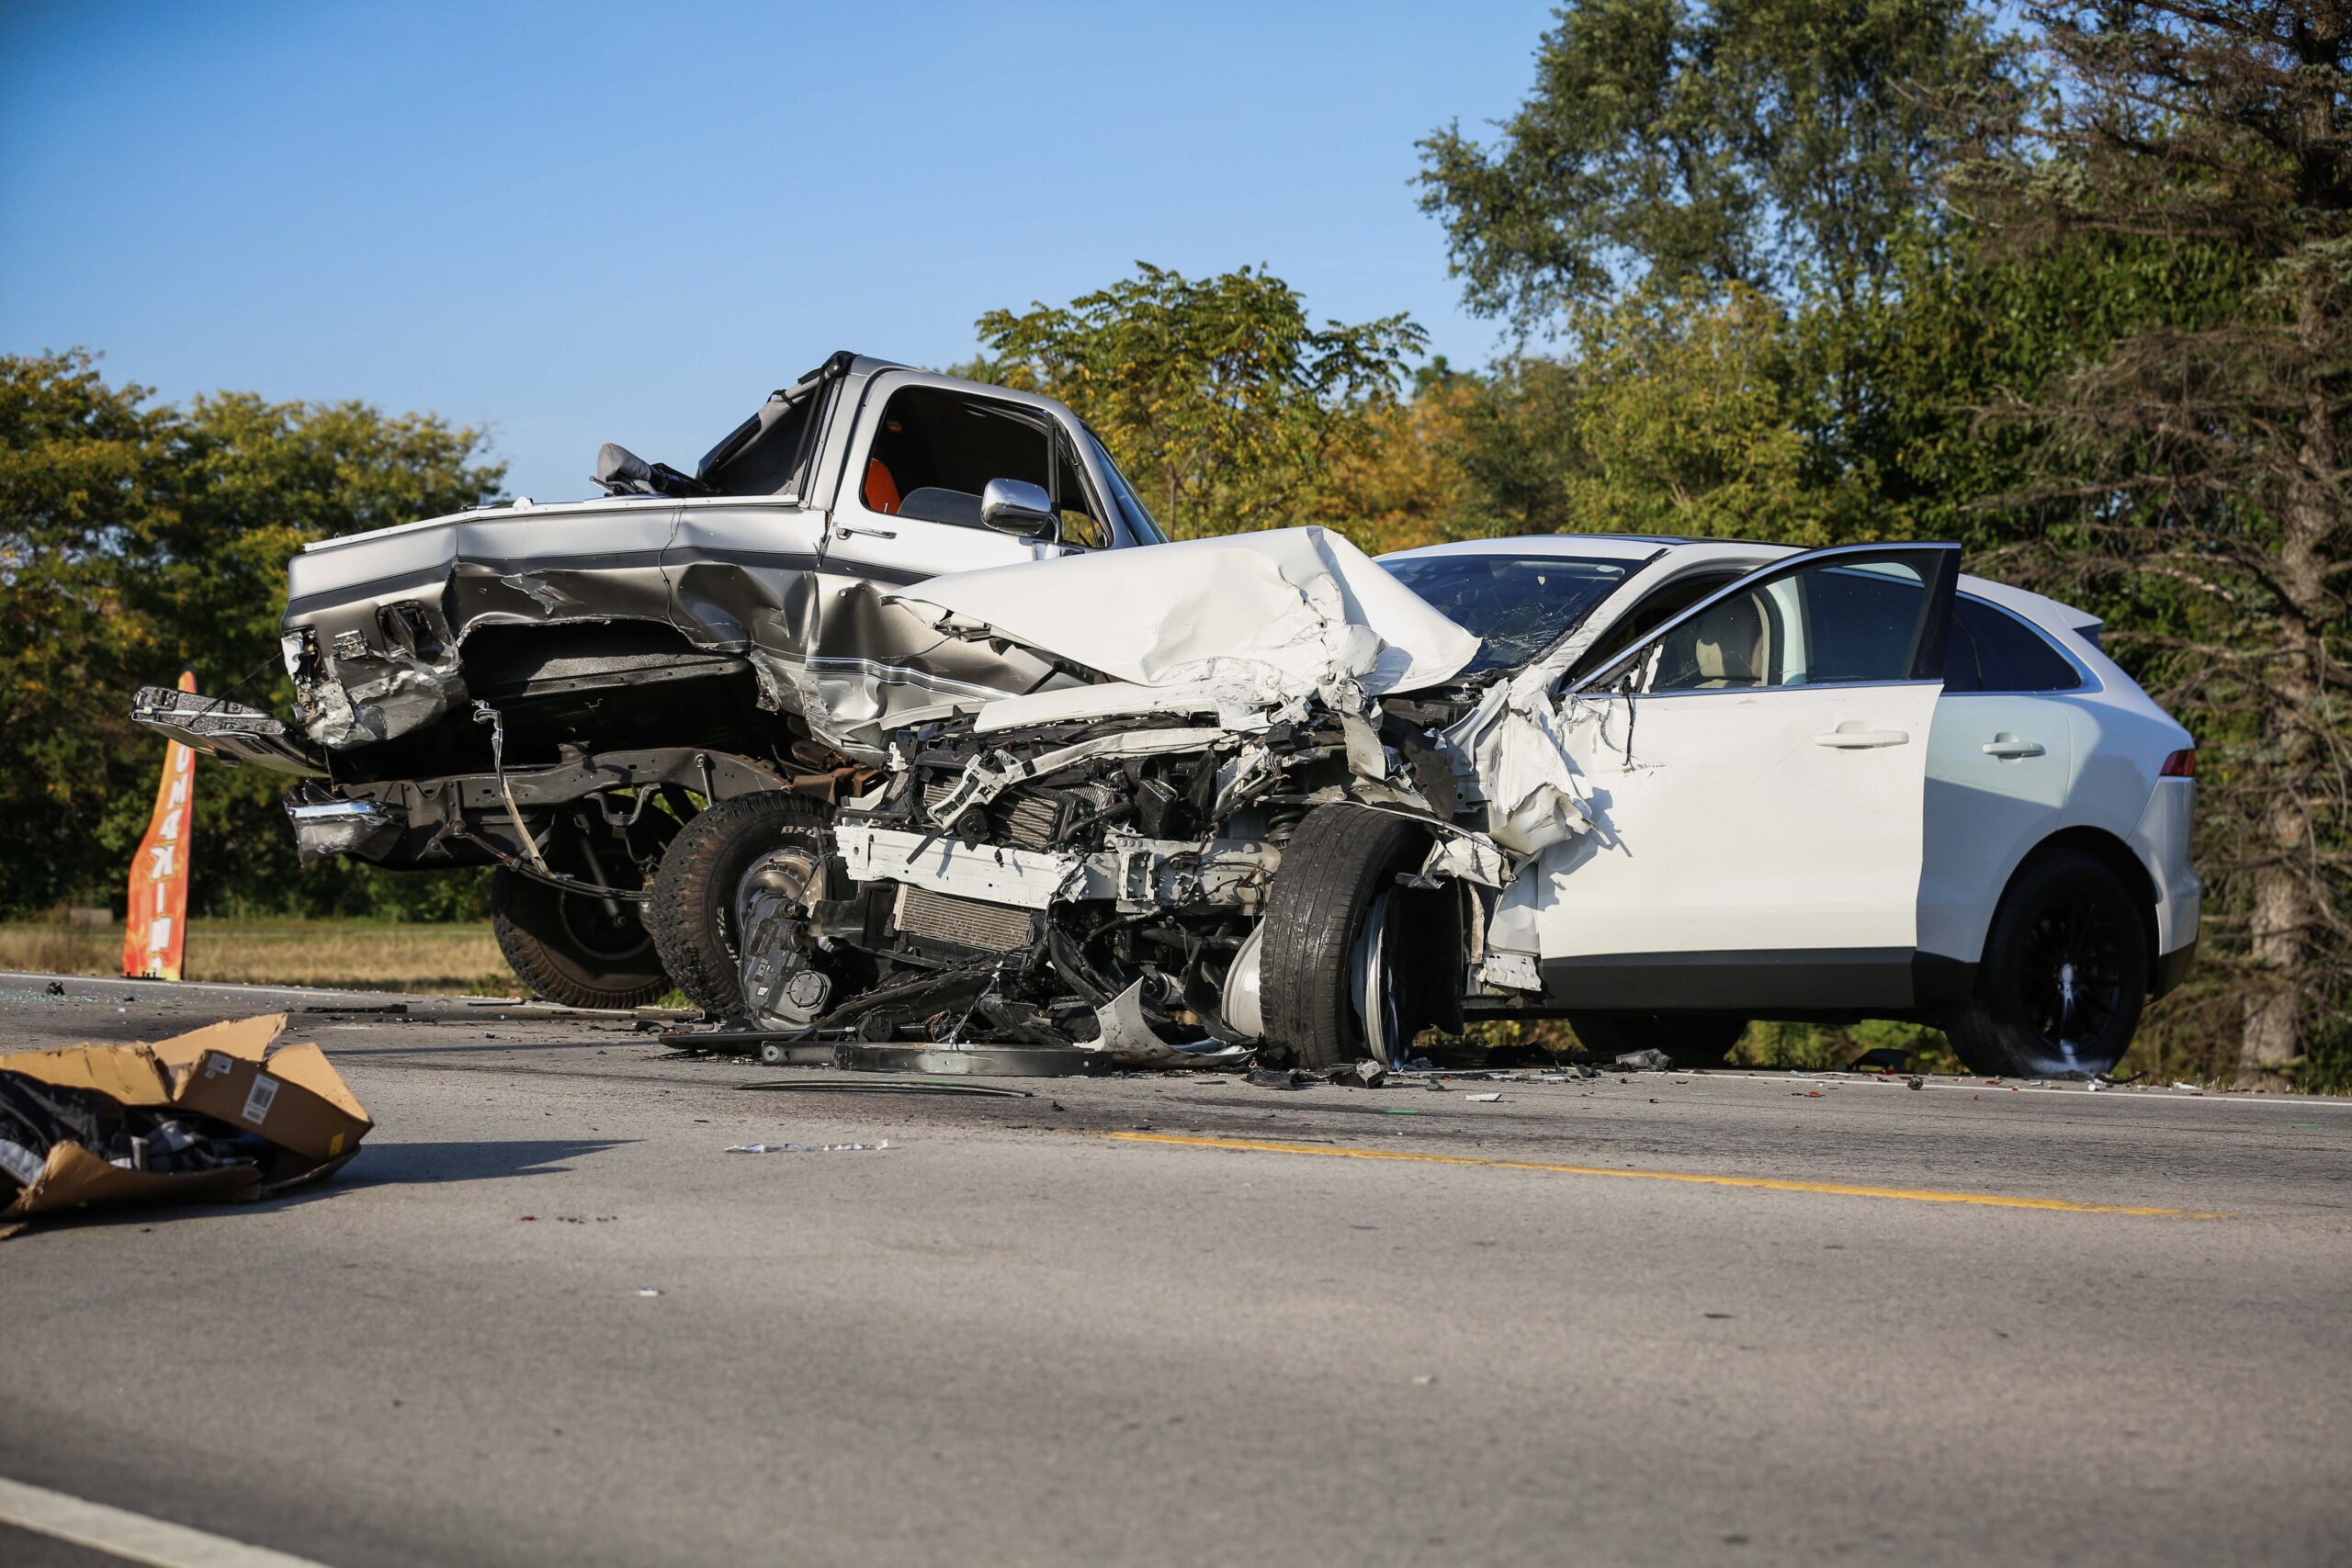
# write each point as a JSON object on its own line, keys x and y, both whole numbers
{"x": 1992, "y": 650}
{"x": 1851, "y": 620}
{"x": 1660, "y": 605}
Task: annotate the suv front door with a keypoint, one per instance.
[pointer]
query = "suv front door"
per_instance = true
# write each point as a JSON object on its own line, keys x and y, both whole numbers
{"x": 1757, "y": 771}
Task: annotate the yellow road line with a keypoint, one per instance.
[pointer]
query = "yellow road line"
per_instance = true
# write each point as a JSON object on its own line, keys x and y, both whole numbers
{"x": 1838, "y": 1189}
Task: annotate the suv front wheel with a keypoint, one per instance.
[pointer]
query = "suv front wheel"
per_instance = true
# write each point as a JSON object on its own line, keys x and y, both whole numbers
{"x": 692, "y": 910}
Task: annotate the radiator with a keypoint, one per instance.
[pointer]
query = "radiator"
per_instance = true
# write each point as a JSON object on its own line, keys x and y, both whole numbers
{"x": 967, "y": 922}
{"x": 1022, "y": 819}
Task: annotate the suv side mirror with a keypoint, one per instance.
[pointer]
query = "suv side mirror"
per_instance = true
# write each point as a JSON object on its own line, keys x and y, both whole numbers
{"x": 1016, "y": 506}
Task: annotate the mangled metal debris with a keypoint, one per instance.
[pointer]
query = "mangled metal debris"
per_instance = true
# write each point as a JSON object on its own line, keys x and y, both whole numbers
{"x": 1096, "y": 869}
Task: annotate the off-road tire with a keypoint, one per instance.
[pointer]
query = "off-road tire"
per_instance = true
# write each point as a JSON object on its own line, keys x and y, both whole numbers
{"x": 1337, "y": 860}
{"x": 2064, "y": 908}
{"x": 576, "y": 956}
{"x": 1691, "y": 1040}
{"x": 691, "y": 910}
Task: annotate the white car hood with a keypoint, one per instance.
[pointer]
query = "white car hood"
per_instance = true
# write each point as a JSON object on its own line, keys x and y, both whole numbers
{"x": 1245, "y": 624}
{"x": 1263, "y": 617}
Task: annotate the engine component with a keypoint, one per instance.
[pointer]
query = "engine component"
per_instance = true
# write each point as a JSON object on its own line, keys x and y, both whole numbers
{"x": 966, "y": 922}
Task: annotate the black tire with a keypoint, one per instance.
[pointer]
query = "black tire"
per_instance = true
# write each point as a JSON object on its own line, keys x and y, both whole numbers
{"x": 1693, "y": 1040}
{"x": 1337, "y": 860}
{"x": 2063, "y": 976}
{"x": 692, "y": 908}
{"x": 571, "y": 950}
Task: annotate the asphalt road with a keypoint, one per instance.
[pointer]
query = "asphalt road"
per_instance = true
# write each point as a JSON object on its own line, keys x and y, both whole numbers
{"x": 1050, "y": 1329}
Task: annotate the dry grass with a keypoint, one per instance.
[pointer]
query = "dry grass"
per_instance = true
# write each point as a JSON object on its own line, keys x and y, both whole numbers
{"x": 444, "y": 959}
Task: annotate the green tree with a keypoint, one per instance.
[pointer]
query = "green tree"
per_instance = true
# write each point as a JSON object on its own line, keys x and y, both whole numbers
{"x": 1683, "y": 412}
{"x": 79, "y": 466}
{"x": 1225, "y": 402}
{"x": 1717, "y": 201}
{"x": 1779, "y": 144}
{"x": 135, "y": 538}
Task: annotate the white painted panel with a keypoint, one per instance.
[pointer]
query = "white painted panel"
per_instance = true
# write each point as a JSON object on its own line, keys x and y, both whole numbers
{"x": 1723, "y": 824}
{"x": 1984, "y": 810}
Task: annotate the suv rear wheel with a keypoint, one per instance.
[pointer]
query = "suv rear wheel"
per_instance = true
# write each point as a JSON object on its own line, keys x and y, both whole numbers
{"x": 692, "y": 909}
{"x": 2063, "y": 976}
{"x": 571, "y": 949}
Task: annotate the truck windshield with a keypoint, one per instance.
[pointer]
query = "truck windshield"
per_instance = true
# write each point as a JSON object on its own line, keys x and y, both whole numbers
{"x": 1123, "y": 495}
{"x": 1516, "y": 605}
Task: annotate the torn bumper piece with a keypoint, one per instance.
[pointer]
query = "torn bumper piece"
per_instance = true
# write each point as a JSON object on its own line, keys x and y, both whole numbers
{"x": 219, "y": 1114}
{"x": 326, "y": 827}
{"x": 230, "y": 731}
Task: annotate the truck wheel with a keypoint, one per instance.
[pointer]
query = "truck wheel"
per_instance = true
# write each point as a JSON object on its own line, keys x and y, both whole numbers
{"x": 1337, "y": 860}
{"x": 569, "y": 948}
{"x": 2063, "y": 976}
{"x": 1690, "y": 1040}
{"x": 692, "y": 910}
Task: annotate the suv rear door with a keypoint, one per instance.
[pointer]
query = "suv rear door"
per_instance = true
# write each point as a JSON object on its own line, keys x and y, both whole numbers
{"x": 1758, "y": 769}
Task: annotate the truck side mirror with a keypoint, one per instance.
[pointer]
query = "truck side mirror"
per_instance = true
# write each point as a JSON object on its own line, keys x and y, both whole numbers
{"x": 1016, "y": 506}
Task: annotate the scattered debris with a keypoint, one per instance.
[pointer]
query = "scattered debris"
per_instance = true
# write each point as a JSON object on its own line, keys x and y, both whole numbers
{"x": 1918, "y": 1082}
{"x": 216, "y": 1114}
{"x": 1364, "y": 1074}
{"x": 57, "y": 988}
{"x": 1652, "y": 1060}
{"x": 646, "y": 1291}
{"x": 357, "y": 1006}
{"x": 1482, "y": 1099}
{"x": 801, "y": 1148}
{"x": 1281, "y": 1078}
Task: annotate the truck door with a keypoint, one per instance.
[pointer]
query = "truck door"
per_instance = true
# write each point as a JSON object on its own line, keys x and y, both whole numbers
{"x": 1758, "y": 769}
{"x": 909, "y": 503}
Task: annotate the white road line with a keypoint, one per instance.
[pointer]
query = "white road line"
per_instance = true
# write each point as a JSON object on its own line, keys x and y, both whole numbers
{"x": 134, "y": 1538}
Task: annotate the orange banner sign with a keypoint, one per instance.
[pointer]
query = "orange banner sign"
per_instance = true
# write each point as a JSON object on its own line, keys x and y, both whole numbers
{"x": 157, "y": 930}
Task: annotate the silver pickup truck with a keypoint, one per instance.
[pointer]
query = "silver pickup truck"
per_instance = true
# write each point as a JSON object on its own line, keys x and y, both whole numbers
{"x": 607, "y": 699}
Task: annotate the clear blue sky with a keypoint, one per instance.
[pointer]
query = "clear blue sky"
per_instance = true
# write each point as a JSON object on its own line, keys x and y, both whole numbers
{"x": 579, "y": 223}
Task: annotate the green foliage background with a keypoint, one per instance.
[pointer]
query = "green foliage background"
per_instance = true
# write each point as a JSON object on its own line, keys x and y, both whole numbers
{"x": 137, "y": 536}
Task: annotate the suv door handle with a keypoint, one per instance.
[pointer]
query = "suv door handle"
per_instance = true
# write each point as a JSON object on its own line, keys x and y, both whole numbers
{"x": 1860, "y": 739}
{"x": 2011, "y": 747}
{"x": 846, "y": 530}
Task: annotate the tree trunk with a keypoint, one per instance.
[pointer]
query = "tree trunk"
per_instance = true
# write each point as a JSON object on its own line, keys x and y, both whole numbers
{"x": 2284, "y": 905}
{"x": 2283, "y": 911}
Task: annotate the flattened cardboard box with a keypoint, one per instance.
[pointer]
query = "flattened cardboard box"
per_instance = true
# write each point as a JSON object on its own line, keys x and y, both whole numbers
{"x": 228, "y": 1071}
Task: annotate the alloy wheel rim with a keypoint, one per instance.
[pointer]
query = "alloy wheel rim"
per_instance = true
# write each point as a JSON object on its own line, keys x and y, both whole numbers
{"x": 2072, "y": 974}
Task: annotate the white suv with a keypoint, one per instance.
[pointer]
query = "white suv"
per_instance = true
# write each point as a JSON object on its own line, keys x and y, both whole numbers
{"x": 1817, "y": 797}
